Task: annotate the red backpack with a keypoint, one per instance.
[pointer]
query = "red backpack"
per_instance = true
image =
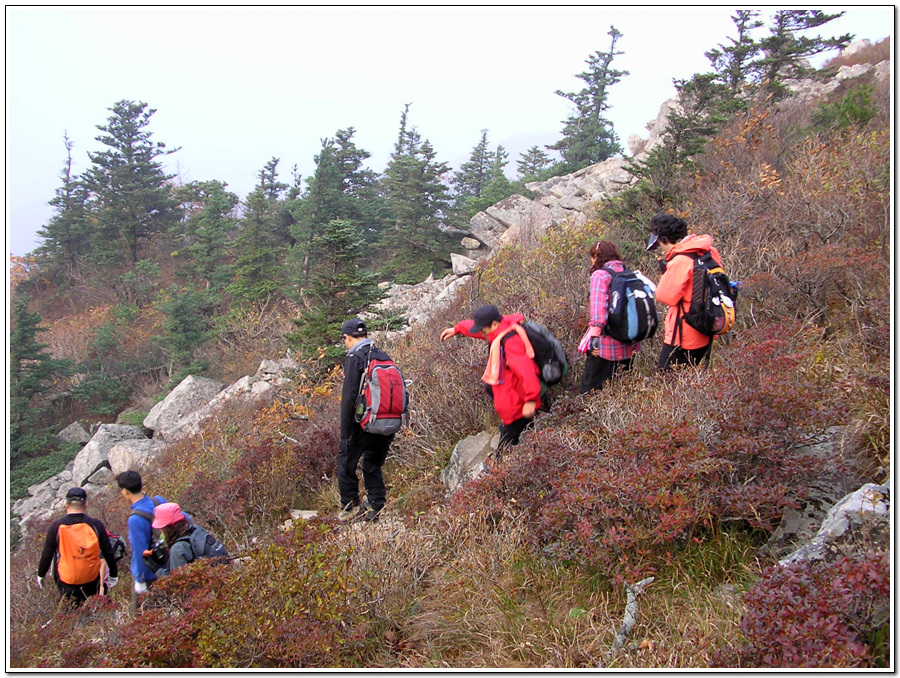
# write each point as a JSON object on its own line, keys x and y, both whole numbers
{"x": 383, "y": 401}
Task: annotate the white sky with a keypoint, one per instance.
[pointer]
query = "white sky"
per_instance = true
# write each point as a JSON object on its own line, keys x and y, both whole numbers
{"x": 235, "y": 86}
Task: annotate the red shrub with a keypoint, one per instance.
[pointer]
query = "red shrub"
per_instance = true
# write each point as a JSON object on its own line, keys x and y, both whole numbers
{"x": 815, "y": 615}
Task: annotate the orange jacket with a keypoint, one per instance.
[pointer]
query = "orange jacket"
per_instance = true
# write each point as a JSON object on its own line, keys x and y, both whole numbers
{"x": 675, "y": 287}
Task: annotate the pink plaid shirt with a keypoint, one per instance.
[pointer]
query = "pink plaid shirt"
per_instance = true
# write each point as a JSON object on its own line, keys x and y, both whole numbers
{"x": 610, "y": 349}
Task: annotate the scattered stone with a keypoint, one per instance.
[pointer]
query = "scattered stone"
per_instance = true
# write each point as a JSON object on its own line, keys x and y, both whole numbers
{"x": 75, "y": 433}
{"x": 185, "y": 399}
{"x": 95, "y": 453}
{"x": 467, "y": 461}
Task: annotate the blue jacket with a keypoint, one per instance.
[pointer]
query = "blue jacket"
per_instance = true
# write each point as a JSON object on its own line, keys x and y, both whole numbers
{"x": 139, "y": 532}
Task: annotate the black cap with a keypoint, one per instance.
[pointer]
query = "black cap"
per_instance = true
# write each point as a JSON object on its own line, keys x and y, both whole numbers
{"x": 76, "y": 493}
{"x": 485, "y": 316}
{"x": 653, "y": 243}
{"x": 354, "y": 326}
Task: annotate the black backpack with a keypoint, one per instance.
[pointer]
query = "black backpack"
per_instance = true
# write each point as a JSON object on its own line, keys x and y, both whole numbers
{"x": 631, "y": 312}
{"x": 549, "y": 354}
{"x": 713, "y": 296}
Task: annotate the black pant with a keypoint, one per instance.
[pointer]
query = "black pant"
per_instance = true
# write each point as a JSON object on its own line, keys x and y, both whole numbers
{"x": 78, "y": 593}
{"x": 675, "y": 355}
{"x": 597, "y": 371}
{"x": 509, "y": 433}
{"x": 372, "y": 449}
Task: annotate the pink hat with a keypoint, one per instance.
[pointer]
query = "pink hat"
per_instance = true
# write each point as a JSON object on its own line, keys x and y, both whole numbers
{"x": 166, "y": 514}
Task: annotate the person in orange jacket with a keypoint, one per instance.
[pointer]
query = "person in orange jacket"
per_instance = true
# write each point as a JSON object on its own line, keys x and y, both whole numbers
{"x": 683, "y": 345}
{"x": 511, "y": 373}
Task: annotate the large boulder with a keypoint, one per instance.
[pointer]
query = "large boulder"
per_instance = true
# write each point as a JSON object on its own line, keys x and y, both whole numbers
{"x": 74, "y": 433}
{"x": 467, "y": 461}
{"x": 95, "y": 454}
{"x": 462, "y": 265}
{"x": 486, "y": 229}
{"x": 185, "y": 399}
{"x": 134, "y": 455}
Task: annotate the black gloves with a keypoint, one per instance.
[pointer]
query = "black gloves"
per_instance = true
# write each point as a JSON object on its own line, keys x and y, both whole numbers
{"x": 662, "y": 265}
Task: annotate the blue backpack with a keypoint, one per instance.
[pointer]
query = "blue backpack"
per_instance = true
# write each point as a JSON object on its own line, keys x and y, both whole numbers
{"x": 632, "y": 306}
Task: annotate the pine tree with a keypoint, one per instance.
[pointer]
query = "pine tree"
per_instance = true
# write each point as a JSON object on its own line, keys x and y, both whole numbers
{"x": 31, "y": 369}
{"x": 131, "y": 200}
{"x": 784, "y": 51}
{"x": 731, "y": 62}
{"x": 474, "y": 174}
{"x": 258, "y": 245}
{"x": 588, "y": 137}
{"x": 419, "y": 201}
{"x": 340, "y": 188}
{"x": 65, "y": 236}
{"x": 187, "y": 325}
{"x": 204, "y": 236}
{"x": 532, "y": 163}
{"x": 339, "y": 288}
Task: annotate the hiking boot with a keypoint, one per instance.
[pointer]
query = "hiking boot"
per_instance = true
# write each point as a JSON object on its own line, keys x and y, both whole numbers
{"x": 348, "y": 512}
{"x": 366, "y": 513}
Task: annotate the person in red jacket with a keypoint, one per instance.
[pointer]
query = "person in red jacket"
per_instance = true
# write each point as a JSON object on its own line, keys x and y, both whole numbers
{"x": 511, "y": 373}
{"x": 683, "y": 345}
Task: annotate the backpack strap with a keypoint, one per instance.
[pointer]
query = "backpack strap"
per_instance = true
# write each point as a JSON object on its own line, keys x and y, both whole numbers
{"x": 146, "y": 514}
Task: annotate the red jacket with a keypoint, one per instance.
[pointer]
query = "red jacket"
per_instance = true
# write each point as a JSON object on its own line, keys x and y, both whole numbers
{"x": 676, "y": 286}
{"x": 518, "y": 382}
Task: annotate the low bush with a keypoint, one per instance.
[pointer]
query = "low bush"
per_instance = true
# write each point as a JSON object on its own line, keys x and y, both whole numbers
{"x": 818, "y": 615}
{"x": 287, "y": 606}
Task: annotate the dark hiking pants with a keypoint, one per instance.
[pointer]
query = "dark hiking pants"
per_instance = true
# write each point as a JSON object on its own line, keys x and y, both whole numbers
{"x": 597, "y": 371}
{"x": 675, "y": 355}
{"x": 372, "y": 449}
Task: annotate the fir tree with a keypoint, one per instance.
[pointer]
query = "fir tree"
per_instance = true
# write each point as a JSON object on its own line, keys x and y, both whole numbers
{"x": 131, "y": 200}
{"x": 258, "y": 245}
{"x": 65, "y": 236}
{"x": 31, "y": 369}
{"x": 474, "y": 174}
{"x": 731, "y": 63}
{"x": 588, "y": 137}
{"x": 419, "y": 201}
{"x": 339, "y": 288}
{"x": 532, "y": 163}
{"x": 206, "y": 233}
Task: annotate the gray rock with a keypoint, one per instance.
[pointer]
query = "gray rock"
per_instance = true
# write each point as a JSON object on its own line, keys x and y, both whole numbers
{"x": 135, "y": 455}
{"x": 486, "y": 229}
{"x": 95, "y": 453}
{"x": 855, "y": 523}
{"x": 467, "y": 460}
{"x": 462, "y": 265}
{"x": 74, "y": 433}
{"x": 102, "y": 476}
{"x": 470, "y": 243}
{"x": 185, "y": 399}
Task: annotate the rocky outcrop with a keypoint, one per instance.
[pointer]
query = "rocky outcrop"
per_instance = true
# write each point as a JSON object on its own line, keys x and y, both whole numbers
{"x": 134, "y": 455}
{"x": 189, "y": 396}
{"x": 857, "y": 523}
{"x": 95, "y": 454}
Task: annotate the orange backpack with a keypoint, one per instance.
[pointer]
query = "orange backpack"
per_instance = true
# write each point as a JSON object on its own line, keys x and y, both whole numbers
{"x": 79, "y": 554}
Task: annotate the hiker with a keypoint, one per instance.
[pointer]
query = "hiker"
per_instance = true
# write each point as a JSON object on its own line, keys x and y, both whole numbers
{"x": 140, "y": 533}
{"x": 356, "y": 443}
{"x": 605, "y": 355}
{"x": 186, "y": 541}
{"x": 513, "y": 382}
{"x": 683, "y": 345}
{"x": 77, "y": 546}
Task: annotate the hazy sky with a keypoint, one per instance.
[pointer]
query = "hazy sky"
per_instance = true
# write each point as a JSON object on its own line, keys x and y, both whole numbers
{"x": 236, "y": 86}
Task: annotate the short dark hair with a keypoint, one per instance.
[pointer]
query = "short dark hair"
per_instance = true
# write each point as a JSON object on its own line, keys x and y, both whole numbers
{"x": 668, "y": 226}
{"x": 131, "y": 481}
